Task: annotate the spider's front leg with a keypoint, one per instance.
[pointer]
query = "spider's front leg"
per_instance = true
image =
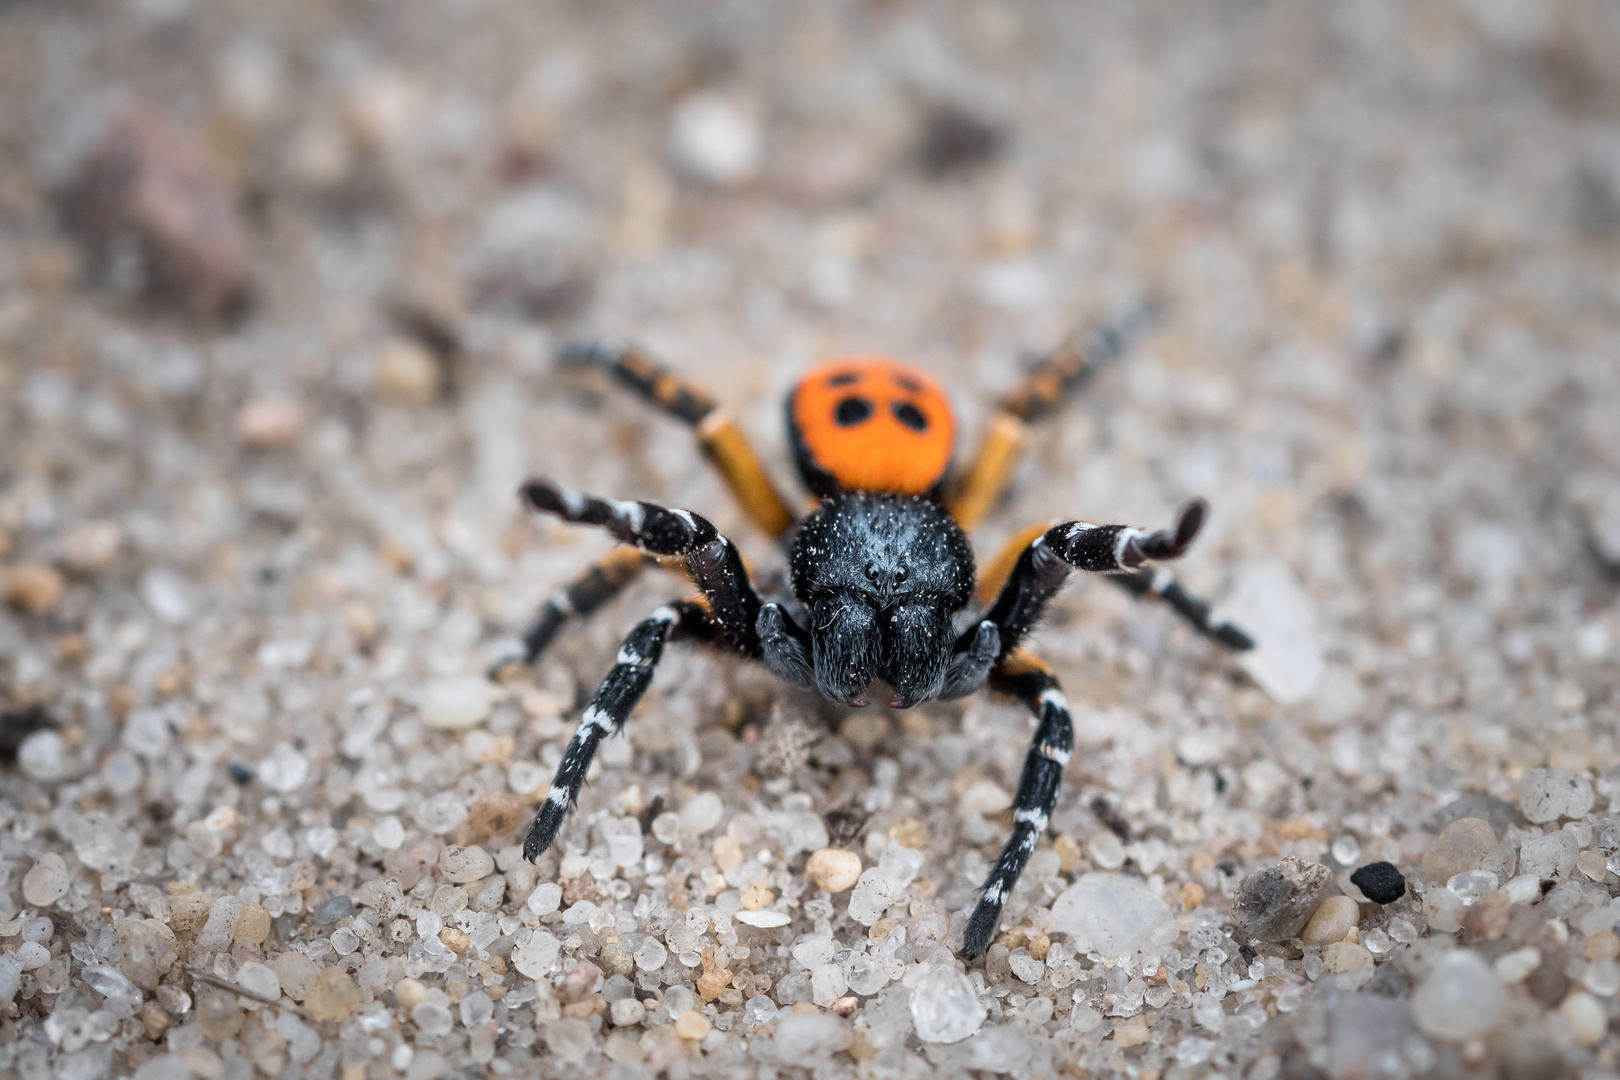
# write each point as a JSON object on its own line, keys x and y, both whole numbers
{"x": 609, "y": 708}
{"x": 1030, "y": 681}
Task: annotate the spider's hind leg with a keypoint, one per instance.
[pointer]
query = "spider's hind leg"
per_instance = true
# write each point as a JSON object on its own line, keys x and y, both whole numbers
{"x": 604, "y": 579}
{"x": 721, "y": 440}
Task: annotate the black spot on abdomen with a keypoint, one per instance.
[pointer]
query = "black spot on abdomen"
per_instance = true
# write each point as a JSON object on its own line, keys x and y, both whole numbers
{"x": 852, "y": 411}
{"x": 909, "y": 415}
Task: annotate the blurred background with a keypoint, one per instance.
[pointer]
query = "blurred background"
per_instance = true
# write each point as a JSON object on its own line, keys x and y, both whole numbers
{"x": 280, "y": 286}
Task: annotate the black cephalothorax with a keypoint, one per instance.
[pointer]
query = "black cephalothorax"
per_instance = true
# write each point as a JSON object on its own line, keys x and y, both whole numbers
{"x": 881, "y": 570}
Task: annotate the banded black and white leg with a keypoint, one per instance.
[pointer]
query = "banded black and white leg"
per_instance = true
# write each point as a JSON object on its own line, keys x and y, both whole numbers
{"x": 1079, "y": 545}
{"x": 1031, "y": 682}
{"x": 579, "y": 599}
{"x": 1162, "y": 584}
{"x": 610, "y": 706}
{"x": 713, "y": 560}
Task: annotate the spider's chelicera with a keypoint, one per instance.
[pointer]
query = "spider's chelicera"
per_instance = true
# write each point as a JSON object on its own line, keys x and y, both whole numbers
{"x": 881, "y": 569}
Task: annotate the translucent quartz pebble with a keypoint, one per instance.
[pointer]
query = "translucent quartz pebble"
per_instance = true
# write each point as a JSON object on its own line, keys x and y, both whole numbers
{"x": 284, "y": 769}
{"x": 109, "y": 982}
{"x": 944, "y": 1007}
{"x": 1470, "y": 885}
{"x": 810, "y": 1036}
{"x": 1459, "y": 999}
{"x": 702, "y": 812}
{"x": 1550, "y": 856}
{"x": 1545, "y": 795}
{"x": 1108, "y": 913}
{"x": 1271, "y": 606}
{"x": 535, "y": 957}
{"x": 1462, "y": 845}
{"x": 881, "y": 885}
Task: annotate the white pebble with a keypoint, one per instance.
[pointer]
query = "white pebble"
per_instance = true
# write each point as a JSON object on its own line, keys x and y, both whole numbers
{"x": 1271, "y": 607}
{"x": 944, "y": 1007}
{"x": 389, "y": 832}
{"x": 546, "y": 898}
{"x": 764, "y": 919}
{"x": 702, "y": 812}
{"x": 256, "y": 978}
{"x": 716, "y": 139}
{"x": 456, "y": 704}
{"x": 1588, "y": 1020}
{"x": 1516, "y": 966}
{"x": 1545, "y": 795}
{"x": 460, "y": 865}
{"x": 167, "y": 595}
{"x": 1108, "y": 913}
{"x": 1459, "y": 999}
{"x": 535, "y": 957}
{"x": 284, "y": 769}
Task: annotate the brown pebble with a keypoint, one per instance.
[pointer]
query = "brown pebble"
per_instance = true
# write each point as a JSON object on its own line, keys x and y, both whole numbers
{"x": 405, "y": 371}
{"x": 712, "y": 982}
{"x": 1068, "y": 852}
{"x": 692, "y": 1025}
{"x": 154, "y": 1020}
{"x": 457, "y": 941}
{"x": 909, "y": 833}
{"x": 333, "y": 997}
{"x": 496, "y": 814}
{"x": 1192, "y": 894}
{"x": 592, "y": 1005}
{"x": 189, "y": 911}
{"x": 34, "y": 588}
{"x": 269, "y": 423}
{"x": 582, "y": 979}
{"x": 253, "y": 923}
{"x": 845, "y": 1005}
{"x": 91, "y": 547}
{"x": 756, "y": 897}
{"x": 583, "y": 888}
{"x": 218, "y": 1014}
{"x": 148, "y": 183}
{"x": 1039, "y": 945}
{"x": 1489, "y": 915}
{"x": 833, "y": 869}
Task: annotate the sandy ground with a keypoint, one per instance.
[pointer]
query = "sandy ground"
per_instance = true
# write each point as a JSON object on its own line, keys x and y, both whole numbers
{"x": 260, "y": 541}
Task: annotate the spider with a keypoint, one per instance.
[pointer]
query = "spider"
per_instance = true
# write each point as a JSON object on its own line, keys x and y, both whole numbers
{"x": 881, "y": 569}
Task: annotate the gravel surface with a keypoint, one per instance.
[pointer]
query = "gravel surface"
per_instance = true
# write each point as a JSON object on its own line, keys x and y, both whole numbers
{"x": 280, "y": 287}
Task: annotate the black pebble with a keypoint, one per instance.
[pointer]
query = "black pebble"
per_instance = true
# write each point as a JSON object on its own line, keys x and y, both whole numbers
{"x": 241, "y": 773}
{"x": 1380, "y": 882}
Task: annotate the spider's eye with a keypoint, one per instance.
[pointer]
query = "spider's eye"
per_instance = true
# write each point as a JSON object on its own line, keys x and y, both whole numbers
{"x": 909, "y": 415}
{"x": 852, "y": 411}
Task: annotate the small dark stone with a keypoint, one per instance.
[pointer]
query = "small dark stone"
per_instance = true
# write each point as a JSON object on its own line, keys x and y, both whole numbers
{"x": 241, "y": 773}
{"x": 955, "y": 140}
{"x": 1380, "y": 882}
{"x": 333, "y": 909}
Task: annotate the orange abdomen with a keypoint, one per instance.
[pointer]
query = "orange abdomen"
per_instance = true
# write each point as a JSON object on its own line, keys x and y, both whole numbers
{"x": 864, "y": 423}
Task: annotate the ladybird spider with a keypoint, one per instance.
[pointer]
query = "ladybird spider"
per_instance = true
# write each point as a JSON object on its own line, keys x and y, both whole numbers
{"x": 879, "y": 569}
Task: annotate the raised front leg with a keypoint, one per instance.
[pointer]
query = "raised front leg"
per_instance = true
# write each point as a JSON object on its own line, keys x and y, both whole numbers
{"x": 1080, "y": 545}
{"x": 1031, "y": 682}
{"x": 714, "y": 561}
